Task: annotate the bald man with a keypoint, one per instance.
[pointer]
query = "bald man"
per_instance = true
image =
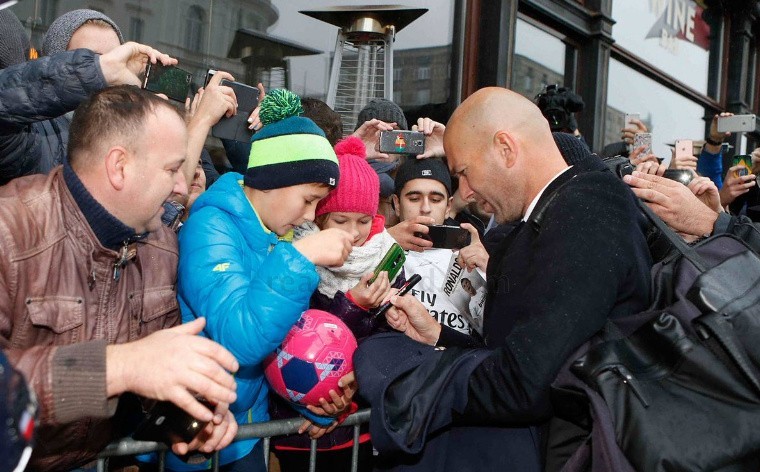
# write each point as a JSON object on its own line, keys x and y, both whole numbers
{"x": 577, "y": 257}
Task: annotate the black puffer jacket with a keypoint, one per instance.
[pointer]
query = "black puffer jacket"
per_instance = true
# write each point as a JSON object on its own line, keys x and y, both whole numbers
{"x": 34, "y": 96}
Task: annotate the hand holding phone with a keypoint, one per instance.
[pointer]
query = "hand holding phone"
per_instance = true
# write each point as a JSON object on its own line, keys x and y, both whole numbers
{"x": 391, "y": 263}
{"x": 169, "y": 424}
{"x": 737, "y": 123}
{"x": 446, "y": 237}
{"x": 683, "y": 157}
{"x": 410, "y": 143}
{"x": 743, "y": 165}
{"x": 645, "y": 140}
{"x": 168, "y": 80}
{"x": 236, "y": 127}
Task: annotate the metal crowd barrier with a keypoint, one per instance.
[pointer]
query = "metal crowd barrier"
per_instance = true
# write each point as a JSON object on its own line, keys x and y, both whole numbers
{"x": 130, "y": 447}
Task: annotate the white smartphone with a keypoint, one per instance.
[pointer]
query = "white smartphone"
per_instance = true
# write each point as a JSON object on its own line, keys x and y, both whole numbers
{"x": 736, "y": 123}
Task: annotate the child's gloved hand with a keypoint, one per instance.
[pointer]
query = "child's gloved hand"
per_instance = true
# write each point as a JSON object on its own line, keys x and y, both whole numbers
{"x": 368, "y": 295}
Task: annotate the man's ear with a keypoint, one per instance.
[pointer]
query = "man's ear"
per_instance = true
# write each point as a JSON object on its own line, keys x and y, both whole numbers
{"x": 448, "y": 207}
{"x": 116, "y": 162}
{"x": 395, "y": 205}
{"x": 506, "y": 147}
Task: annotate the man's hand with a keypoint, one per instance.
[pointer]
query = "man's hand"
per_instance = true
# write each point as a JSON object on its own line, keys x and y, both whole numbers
{"x": 684, "y": 162}
{"x": 630, "y": 130}
{"x": 172, "y": 364}
{"x": 674, "y": 203}
{"x": 707, "y": 192}
{"x": 253, "y": 120}
{"x": 650, "y": 167}
{"x": 369, "y": 133}
{"x": 409, "y": 316}
{"x": 405, "y": 233}
{"x": 433, "y": 132}
{"x": 735, "y": 186}
{"x": 123, "y": 65}
{"x": 328, "y": 248}
{"x": 215, "y": 102}
{"x": 214, "y": 437}
{"x": 371, "y": 295}
{"x": 474, "y": 255}
{"x": 715, "y": 135}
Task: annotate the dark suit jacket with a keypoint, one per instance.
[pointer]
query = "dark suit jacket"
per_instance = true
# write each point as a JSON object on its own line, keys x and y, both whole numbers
{"x": 552, "y": 283}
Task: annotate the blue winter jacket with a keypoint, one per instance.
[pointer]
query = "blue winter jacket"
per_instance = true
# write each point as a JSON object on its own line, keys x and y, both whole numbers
{"x": 251, "y": 287}
{"x": 34, "y": 96}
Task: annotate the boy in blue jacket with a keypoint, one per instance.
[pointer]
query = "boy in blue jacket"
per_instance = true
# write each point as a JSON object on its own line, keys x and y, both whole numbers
{"x": 238, "y": 267}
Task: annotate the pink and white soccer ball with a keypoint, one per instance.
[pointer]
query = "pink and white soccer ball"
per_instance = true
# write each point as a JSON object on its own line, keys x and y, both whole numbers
{"x": 315, "y": 354}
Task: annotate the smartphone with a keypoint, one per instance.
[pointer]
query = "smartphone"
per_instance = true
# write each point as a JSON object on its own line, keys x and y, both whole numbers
{"x": 630, "y": 117}
{"x": 643, "y": 139}
{"x": 173, "y": 213}
{"x": 171, "y": 81}
{"x": 402, "y": 142}
{"x": 684, "y": 176}
{"x": 736, "y": 123}
{"x": 447, "y": 237}
{"x": 684, "y": 148}
{"x": 745, "y": 163}
{"x": 236, "y": 127}
{"x": 209, "y": 74}
{"x": 392, "y": 263}
{"x": 169, "y": 424}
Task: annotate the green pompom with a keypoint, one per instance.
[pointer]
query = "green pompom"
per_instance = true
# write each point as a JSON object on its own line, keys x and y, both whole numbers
{"x": 278, "y": 105}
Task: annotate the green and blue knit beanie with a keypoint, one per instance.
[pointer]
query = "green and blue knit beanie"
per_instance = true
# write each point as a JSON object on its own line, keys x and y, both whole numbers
{"x": 289, "y": 149}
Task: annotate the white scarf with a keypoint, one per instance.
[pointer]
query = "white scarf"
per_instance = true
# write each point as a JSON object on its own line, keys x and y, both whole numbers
{"x": 362, "y": 259}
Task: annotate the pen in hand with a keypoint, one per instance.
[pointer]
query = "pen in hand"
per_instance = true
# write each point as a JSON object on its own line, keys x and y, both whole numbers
{"x": 403, "y": 291}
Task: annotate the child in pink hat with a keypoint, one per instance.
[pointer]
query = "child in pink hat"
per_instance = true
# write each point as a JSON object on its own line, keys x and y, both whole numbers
{"x": 345, "y": 291}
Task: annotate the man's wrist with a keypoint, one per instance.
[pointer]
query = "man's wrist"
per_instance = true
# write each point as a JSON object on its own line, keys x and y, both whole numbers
{"x": 706, "y": 223}
{"x": 713, "y": 142}
{"x": 116, "y": 381}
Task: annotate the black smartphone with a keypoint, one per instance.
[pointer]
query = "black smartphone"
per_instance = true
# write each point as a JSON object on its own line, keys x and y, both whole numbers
{"x": 392, "y": 263}
{"x": 446, "y": 237}
{"x": 402, "y": 142}
{"x": 169, "y": 424}
{"x": 236, "y": 127}
{"x": 169, "y": 80}
{"x": 679, "y": 175}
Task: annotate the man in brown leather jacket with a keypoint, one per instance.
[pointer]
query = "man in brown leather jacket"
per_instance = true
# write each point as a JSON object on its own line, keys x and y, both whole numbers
{"x": 88, "y": 277}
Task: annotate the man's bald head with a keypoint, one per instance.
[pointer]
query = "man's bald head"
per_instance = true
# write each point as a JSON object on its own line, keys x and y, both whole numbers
{"x": 492, "y": 109}
{"x": 500, "y": 146}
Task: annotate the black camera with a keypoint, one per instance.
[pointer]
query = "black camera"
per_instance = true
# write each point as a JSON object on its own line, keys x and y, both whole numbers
{"x": 619, "y": 165}
{"x": 558, "y": 105}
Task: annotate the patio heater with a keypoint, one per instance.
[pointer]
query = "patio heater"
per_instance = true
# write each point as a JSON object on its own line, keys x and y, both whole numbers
{"x": 362, "y": 67}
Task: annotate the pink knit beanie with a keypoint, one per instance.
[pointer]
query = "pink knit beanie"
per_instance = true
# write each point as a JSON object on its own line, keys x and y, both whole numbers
{"x": 358, "y": 189}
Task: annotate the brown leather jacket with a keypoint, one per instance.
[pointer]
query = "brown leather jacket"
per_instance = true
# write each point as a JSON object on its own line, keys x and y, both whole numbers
{"x": 60, "y": 304}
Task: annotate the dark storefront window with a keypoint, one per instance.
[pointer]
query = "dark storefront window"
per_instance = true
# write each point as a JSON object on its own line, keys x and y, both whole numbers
{"x": 539, "y": 59}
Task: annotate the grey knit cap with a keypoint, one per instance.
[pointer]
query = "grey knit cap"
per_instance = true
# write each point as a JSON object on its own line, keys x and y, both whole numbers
{"x": 14, "y": 43}
{"x": 383, "y": 110}
{"x": 63, "y": 28}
